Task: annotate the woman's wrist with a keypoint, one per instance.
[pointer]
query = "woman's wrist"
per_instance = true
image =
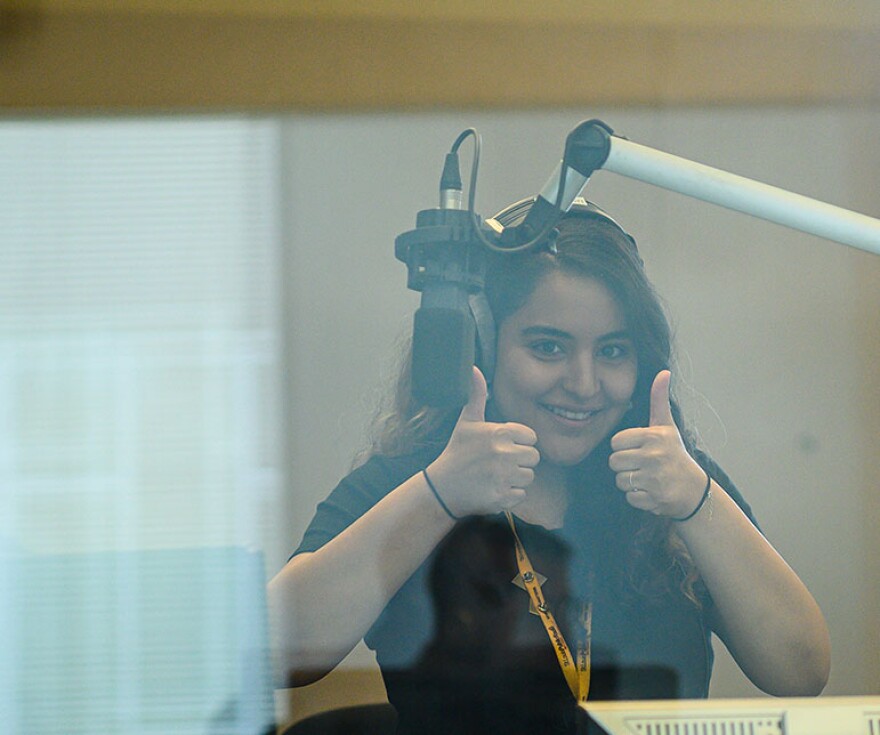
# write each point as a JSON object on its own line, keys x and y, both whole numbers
{"x": 704, "y": 501}
{"x": 438, "y": 497}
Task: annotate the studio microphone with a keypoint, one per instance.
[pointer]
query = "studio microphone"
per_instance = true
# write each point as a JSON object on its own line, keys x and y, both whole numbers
{"x": 447, "y": 264}
{"x": 446, "y": 257}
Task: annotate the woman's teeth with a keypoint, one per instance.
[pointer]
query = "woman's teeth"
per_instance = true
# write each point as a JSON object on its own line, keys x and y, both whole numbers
{"x": 571, "y": 415}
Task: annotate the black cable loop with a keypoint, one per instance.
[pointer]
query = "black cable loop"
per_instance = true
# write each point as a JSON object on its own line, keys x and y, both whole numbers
{"x": 472, "y": 195}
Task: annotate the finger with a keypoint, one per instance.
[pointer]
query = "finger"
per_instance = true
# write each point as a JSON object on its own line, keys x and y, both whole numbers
{"x": 625, "y": 461}
{"x": 628, "y": 481}
{"x": 524, "y": 477}
{"x": 661, "y": 410}
{"x": 641, "y": 500}
{"x": 475, "y": 408}
{"x": 526, "y": 456}
{"x": 629, "y": 439}
{"x": 520, "y": 433}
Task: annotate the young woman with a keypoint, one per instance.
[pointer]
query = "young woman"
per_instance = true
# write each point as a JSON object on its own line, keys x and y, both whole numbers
{"x": 562, "y": 527}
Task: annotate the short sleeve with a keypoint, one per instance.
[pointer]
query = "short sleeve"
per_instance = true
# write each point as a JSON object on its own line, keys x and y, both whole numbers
{"x": 357, "y": 493}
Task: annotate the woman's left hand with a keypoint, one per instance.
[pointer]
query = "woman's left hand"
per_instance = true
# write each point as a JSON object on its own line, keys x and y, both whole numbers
{"x": 653, "y": 467}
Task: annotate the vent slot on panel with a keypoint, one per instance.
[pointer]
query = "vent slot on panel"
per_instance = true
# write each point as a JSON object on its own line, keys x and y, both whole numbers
{"x": 731, "y": 725}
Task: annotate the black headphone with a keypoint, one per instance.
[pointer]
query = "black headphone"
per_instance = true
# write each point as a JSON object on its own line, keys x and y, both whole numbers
{"x": 514, "y": 214}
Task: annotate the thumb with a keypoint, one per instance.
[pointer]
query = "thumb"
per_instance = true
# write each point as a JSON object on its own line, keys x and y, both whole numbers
{"x": 661, "y": 411}
{"x": 475, "y": 408}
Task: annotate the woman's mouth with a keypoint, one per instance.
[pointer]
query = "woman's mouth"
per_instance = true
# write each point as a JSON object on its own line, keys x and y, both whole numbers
{"x": 569, "y": 414}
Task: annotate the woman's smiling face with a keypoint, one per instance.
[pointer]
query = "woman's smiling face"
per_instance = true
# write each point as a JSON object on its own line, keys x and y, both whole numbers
{"x": 566, "y": 366}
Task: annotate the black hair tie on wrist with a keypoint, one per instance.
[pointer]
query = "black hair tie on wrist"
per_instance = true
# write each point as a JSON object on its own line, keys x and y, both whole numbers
{"x": 439, "y": 499}
{"x": 707, "y": 493}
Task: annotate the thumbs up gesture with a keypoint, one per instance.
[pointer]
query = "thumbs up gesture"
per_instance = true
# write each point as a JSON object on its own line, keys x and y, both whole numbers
{"x": 486, "y": 466}
{"x": 652, "y": 464}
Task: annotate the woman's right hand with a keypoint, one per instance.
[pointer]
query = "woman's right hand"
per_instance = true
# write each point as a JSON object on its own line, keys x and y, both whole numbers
{"x": 486, "y": 466}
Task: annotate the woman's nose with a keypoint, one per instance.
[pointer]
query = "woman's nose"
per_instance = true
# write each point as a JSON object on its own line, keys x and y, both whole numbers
{"x": 580, "y": 378}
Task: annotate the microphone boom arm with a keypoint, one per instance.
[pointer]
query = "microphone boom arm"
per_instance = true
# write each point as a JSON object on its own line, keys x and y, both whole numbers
{"x": 731, "y": 191}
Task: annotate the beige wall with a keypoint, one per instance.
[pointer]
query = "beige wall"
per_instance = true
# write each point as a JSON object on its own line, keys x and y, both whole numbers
{"x": 778, "y": 331}
{"x": 136, "y": 55}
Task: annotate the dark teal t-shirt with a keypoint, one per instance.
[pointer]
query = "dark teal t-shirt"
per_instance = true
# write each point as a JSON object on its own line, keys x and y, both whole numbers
{"x": 459, "y": 632}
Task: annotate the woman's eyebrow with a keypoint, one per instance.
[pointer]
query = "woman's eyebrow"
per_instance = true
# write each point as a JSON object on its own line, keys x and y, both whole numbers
{"x": 622, "y": 334}
{"x": 544, "y": 331}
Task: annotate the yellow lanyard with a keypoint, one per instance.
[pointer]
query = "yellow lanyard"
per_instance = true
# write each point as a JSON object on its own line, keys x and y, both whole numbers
{"x": 576, "y": 670}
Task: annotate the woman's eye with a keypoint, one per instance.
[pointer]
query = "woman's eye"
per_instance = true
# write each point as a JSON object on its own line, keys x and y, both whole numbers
{"x": 547, "y": 348}
{"x": 614, "y": 352}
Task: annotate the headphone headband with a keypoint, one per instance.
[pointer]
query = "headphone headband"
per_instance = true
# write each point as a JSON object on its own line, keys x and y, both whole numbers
{"x": 514, "y": 214}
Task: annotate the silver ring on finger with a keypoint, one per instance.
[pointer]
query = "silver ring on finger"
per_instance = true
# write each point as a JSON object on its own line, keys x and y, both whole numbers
{"x": 632, "y": 487}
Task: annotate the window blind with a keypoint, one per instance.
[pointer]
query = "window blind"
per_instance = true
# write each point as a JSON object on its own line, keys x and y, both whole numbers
{"x": 139, "y": 381}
